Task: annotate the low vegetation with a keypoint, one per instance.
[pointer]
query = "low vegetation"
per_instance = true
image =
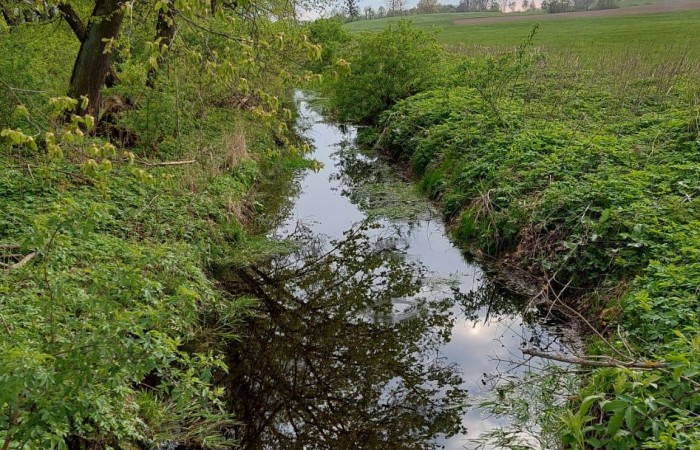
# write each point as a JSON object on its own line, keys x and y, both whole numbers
{"x": 114, "y": 208}
{"x": 587, "y": 177}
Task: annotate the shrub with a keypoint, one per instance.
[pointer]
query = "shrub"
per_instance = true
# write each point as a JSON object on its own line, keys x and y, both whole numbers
{"x": 330, "y": 34}
{"x": 386, "y": 67}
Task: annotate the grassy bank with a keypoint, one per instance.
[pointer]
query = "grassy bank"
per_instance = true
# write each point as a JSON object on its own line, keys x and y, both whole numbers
{"x": 587, "y": 179}
{"x": 112, "y": 324}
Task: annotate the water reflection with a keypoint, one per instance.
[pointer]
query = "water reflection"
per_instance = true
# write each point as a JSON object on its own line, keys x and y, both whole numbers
{"x": 374, "y": 187}
{"x": 330, "y": 362}
{"x": 375, "y": 333}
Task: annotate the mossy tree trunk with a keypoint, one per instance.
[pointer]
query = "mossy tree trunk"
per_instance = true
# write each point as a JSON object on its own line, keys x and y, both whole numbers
{"x": 93, "y": 63}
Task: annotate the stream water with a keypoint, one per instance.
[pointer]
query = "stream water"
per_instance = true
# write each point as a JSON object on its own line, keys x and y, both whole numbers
{"x": 374, "y": 331}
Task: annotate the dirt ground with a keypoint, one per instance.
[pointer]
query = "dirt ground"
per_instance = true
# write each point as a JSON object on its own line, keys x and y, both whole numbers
{"x": 630, "y": 11}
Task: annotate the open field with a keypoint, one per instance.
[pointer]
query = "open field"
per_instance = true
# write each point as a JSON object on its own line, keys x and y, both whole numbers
{"x": 632, "y": 3}
{"x": 654, "y": 36}
{"x": 652, "y": 8}
{"x": 653, "y": 31}
{"x": 422, "y": 20}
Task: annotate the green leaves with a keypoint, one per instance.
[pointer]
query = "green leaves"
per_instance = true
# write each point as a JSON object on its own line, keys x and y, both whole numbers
{"x": 118, "y": 290}
{"x": 63, "y": 104}
{"x": 79, "y": 347}
{"x": 385, "y": 68}
{"x": 20, "y": 112}
{"x": 18, "y": 138}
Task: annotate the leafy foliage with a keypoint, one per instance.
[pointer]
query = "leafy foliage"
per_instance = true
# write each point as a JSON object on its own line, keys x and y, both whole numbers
{"x": 384, "y": 68}
{"x": 331, "y": 36}
{"x": 107, "y": 308}
{"x": 590, "y": 185}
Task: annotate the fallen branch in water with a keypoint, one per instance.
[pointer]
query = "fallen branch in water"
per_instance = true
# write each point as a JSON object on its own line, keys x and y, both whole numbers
{"x": 608, "y": 362}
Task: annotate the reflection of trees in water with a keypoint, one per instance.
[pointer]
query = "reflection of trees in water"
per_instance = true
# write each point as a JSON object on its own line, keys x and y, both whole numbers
{"x": 356, "y": 167}
{"x": 373, "y": 186}
{"x": 321, "y": 368}
{"x": 487, "y": 302}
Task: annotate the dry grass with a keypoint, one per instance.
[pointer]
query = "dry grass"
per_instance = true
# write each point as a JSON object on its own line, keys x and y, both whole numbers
{"x": 631, "y": 76}
{"x": 213, "y": 161}
{"x": 235, "y": 148}
{"x": 695, "y": 114}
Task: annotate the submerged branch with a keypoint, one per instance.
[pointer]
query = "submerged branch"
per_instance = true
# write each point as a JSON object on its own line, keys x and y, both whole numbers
{"x": 608, "y": 362}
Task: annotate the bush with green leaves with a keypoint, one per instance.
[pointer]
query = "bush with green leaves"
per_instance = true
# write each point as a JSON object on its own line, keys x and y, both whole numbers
{"x": 383, "y": 69}
{"x": 331, "y": 36}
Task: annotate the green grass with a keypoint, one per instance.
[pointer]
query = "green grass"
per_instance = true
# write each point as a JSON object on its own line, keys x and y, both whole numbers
{"x": 630, "y": 3}
{"x": 654, "y": 36}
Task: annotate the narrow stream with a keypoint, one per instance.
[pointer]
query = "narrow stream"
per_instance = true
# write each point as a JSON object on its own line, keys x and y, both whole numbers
{"x": 374, "y": 332}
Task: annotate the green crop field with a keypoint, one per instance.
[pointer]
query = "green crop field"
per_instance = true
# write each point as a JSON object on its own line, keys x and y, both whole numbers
{"x": 654, "y": 36}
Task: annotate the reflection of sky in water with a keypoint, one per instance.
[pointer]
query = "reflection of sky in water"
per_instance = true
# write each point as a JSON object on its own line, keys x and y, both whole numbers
{"x": 476, "y": 346}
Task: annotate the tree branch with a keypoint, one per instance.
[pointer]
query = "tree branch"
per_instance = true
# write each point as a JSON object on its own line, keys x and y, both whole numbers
{"x": 19, "y": 264}
{"x": 170, "y": 163}
{"x": 73, "y": 20}
{"x": 608, "y": 362}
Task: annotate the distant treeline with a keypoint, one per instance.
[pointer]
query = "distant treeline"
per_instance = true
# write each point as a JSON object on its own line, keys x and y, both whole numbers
{"x": 396, "y": 8}
{"x": 559, "y": 6}
{"x": 350, "y": 11}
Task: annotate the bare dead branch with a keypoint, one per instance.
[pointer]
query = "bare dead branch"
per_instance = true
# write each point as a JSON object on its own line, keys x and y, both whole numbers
{"x": 607, "y": 362}
{"x": 170, "y": 163}
{"x": 584, "y": 320}
{"x": 23, "y": 261}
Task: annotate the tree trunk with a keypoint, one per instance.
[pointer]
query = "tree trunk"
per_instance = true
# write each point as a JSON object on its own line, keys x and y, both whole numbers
{"x": 165, "y": 32}
{"x": 6, "y": 17}
{"x": 93, "y": 63}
